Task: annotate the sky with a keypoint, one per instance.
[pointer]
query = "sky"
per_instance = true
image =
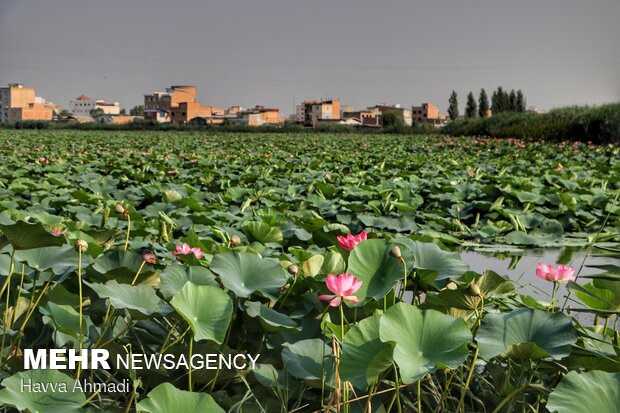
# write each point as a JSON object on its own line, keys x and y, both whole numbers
{"x": 280, "y": 52}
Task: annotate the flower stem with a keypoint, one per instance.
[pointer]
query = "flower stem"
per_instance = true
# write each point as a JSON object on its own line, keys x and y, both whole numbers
{"x": 555, "y": 288}
{"x": 79, "y": 274}
{"x": 397, "y": 384}
{"x": 128, "y": 231}
{"x": 402, "y": 291}
{"x": 191, "y": 348}
{"x": 471, "y": 372}
{"x": 138, "y": 273}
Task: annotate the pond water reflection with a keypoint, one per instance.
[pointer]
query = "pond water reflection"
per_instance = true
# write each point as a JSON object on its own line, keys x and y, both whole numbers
{"x": 520, "y": 267}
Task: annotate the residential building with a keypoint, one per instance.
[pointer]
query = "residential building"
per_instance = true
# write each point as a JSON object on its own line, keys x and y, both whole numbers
{"x": 379, "y": 110}
{"x": 428, "y": 113}
{"x": 177, "y": 104}
{"x": 312, "y": 111}
{"x": 362, "y": 118}
{"x": 117, "y": 119}
{"x": 19, "y": 103}
{"x": 257, "y": 116}
{"x": 83, "y": 106}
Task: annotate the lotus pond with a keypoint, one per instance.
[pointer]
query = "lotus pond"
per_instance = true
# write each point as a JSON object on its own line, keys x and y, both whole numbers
{"x": 186, "y": 243}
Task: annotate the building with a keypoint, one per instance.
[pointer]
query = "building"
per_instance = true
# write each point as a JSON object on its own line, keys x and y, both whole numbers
{"x": 428, "y": 113}
{"x": 362, "y": 118}
{"x": 117, "y": 119}
{"x": 177, "y": 104}
{"x": 378, "y": 111}
{"x": 312, "y": 111}
{"x": 257, "y": 116}
{"x": 83, "y": 106}
{"x": 19, "y": 103}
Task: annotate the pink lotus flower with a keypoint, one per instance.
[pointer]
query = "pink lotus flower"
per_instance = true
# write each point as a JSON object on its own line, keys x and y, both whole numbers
{"x": 343, "y": 286}
{"x": 186, "y": 249}
{"x": 59, "y": 232}
{"x": 549, "y": 273}
{"x": 350, "y": 241}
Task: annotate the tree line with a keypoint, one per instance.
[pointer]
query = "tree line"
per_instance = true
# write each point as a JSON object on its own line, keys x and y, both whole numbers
{"x": 502, "y": 101}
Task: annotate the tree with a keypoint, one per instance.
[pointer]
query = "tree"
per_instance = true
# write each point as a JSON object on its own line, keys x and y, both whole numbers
{"x": 137, "y": 110}
{"x": 393, "y": 119}
{"x": 123, "y": 112}
{"x": 96, "y": 112}
{"x": 453, "y": 107}
{"x": 520, "y": 101}
{"x": 483, "y": 104}
{"x": 512, "y": 101}
{"x": 64, "y": 114}
{"x": 471, "y": 109}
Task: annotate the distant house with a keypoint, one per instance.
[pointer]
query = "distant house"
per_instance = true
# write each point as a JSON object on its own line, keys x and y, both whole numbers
{"x": 18, "y": 103}
{"x": 379, "y": 110}
{"x": 428, "y": 113}
{"x": 257, "y": 116}
{"x": 177, "y": 104}
{"x": 117, "y": 119}
{"x": 83, "y": 106}
{"x": 73, "y": 119}
{"x": 362, "y": 118}
{"x": 310, "y": 112}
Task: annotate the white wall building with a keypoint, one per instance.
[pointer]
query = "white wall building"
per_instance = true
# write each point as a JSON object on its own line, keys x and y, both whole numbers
{"x": 83, "y": 105}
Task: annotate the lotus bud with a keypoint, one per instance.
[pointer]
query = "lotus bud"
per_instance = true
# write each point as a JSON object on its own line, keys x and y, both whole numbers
{"x": 474, "y": 290}
{"x": 452, "y": 286}
{"x": 395, "y": 252}
{"x": 235, "y": 240}
{"x": 293, "y": 270}
{"x": 121, "y": 210}
{"x": 81, "y": 245}
{"x": 148, "y": 257}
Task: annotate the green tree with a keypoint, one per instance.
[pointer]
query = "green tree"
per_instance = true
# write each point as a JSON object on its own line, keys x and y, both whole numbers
{"x": 393, "y": 119}
{"x": 63, "y": 114}
{"x": 137, "y": 110}
{"x": 520, "y": 101}
{"x": 96, "y": 112}
{"x": 500, "y": 101}
{"x": 512, "y": 101}
{"x": 471, "y": 109}
{"x": 453, "y": 106}
{"x": 483, "y": 104}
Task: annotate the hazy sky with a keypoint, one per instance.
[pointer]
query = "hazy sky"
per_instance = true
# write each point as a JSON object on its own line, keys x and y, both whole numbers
{"x": 276, "y": 52}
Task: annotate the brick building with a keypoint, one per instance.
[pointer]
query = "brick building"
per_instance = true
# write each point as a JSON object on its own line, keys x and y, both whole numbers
{"x": 19, "y": 103}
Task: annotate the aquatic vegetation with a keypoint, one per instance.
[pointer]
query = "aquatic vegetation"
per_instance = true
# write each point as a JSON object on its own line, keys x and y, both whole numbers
{"x": 247, "y": 250}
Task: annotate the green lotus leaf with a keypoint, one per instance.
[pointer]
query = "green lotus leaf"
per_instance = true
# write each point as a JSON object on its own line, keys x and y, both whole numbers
{"x": 165, "y": 398}
{"x": 308, "y": 359}
{"x": 57, "y": 399}
{"x": 593, "y": 391}
{"x": 64, "y": 319}
{"x": 141, "y": 298}
{"x": 364, "y": 356}
{"x": 262, "y": 232}
{"x": 206, "y": 308}
{"x": 599, "y": 294}
{"x": 425, "y": 340}
{"x": 23, "y": 235}
{"x": 526, "y": 333}
{"x": 174, "y": 277}
{"x": 428, "y": 256}
{"x": 58, "y": 259}
{"x": 370, "y": 261}
{"x": 270, "y": 319}
{"x": 116, "y": 262}
{"x": 245, "y": 273}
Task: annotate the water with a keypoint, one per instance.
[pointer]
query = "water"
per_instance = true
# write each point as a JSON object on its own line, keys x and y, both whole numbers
{"x": 520, "y": 267}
